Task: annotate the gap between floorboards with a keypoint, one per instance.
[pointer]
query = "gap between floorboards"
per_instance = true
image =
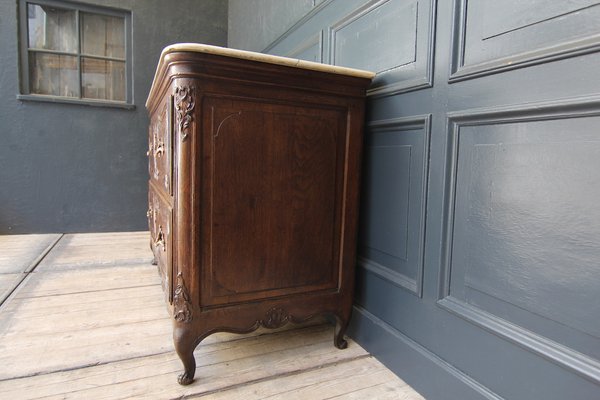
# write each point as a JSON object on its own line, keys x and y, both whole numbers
{"x": 27, "y": 272}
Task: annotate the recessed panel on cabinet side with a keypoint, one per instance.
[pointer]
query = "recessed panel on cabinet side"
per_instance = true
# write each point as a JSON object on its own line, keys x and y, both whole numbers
{"x": 273, "y": 213}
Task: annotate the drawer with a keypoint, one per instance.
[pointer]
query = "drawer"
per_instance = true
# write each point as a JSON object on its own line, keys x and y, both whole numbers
{"x": 160, "y": 139}
{"x": 160, "y": 223}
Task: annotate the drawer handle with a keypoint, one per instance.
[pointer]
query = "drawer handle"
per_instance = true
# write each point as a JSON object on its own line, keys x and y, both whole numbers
{"x": 159, "y": 150}
{"x": 160, "y": 240}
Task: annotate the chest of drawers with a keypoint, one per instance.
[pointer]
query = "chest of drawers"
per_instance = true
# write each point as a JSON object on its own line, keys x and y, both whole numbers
{"x": 254, "y": 165}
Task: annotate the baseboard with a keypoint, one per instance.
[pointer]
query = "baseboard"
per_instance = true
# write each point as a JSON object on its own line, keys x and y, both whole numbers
{"x": 427, "y": 373}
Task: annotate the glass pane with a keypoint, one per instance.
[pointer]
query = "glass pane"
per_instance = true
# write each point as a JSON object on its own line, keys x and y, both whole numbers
{"x": 103, "y": 35}
{"x": 53, "y": 74}
{"x": 102, "y": 79}
{"x": 51, "y": 28}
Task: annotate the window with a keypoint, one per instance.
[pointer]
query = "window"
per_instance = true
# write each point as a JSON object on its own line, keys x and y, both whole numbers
{"x": 74, "y": 52}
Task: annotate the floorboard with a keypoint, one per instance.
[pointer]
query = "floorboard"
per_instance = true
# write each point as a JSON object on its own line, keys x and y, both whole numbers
{"x": 19, "y": 254}
{"x": 88, "y": 323}
{"x": 8, "y": 282}
{"x": 19, "y": 251}
{"x": 94, "y": 249}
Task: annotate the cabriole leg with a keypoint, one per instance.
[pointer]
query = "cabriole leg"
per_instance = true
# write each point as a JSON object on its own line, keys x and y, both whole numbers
{"x": 184, "y": 345}
{"x": 341, "y": 324}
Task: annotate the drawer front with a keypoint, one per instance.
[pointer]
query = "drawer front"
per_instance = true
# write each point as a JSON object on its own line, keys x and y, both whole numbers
{"x": 160, "y": 223}
{"x": 160, "y": 139}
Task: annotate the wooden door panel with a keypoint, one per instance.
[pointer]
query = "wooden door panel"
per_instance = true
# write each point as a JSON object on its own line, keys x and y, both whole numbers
{"x": 272, "y": 168}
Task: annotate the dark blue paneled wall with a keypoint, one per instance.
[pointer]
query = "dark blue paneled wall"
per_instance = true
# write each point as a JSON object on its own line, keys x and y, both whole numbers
{"x": 478, "y": 272}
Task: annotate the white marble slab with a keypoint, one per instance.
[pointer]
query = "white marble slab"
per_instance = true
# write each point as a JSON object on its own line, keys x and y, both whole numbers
{"x": 254, "y": 56}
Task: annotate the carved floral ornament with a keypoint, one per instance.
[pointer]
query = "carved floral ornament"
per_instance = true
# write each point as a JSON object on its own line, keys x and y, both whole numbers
{"x": 181, "y": 301}
{"x": 184, "y": 105}
{"x": 275, "y": 318}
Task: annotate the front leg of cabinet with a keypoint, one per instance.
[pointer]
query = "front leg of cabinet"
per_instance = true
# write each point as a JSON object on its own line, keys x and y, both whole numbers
{"x": 184, "y": 345}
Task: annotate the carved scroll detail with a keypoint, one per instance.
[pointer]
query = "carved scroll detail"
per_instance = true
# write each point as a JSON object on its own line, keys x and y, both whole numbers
{"x": 184, "y": 104}
{"x": 275, "y": 318}
{"x": 181, "y": 302}
{"x": 236, "y": 114}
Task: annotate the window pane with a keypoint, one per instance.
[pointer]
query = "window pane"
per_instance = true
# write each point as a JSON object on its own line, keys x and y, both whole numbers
{"x": 51, "y": 28}
{"x": 102, "y": 79}
{"x": 103, "y": 35}
{"x": 53, "y": 74}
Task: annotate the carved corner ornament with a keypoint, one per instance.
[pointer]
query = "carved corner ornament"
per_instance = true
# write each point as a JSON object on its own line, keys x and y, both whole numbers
{"x": 276, "y": 317}
{"x": 181, "y": 302}
{"x": 184, "y": 105}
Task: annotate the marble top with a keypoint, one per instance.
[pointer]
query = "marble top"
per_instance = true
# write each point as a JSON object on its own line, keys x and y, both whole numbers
{"x": 266, "y": 58}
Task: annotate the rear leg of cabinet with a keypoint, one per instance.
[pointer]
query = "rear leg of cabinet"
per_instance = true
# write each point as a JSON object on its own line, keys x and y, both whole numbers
{"x": 341, "y": 324}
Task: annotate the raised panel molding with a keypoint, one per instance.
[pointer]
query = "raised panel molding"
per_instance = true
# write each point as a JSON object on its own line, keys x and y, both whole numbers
{"x": 311, "y": 49}
{"x": 318, "y": 6}
{"x": 313, "y": 138}
{"x": 558, "y": 353}
{"x": 357, "y": 41}
{"x": 390, "y": 37}
{"x": 563, "y": 356}
{"x": 569, "y": 108}
{"x": 396, "y": 39}
{"x": 387, "y": 260}
{"x": 387, "y": 343}
{"x": 479, "y": 50}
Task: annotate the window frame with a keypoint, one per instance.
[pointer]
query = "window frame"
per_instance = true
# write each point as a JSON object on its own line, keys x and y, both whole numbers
{"x": 25, "y": 89}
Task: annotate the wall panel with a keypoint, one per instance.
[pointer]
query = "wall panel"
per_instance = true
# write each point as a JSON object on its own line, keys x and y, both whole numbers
{"x": 390, "y": 37}
{"x": 520, "y": 251}
{"x": 493, "y": 36}
{"x": 479, "y": 220}
{"x": 393, "y": 38}
{"x": 311, "y": 49}
{"x": 393, "y": 200}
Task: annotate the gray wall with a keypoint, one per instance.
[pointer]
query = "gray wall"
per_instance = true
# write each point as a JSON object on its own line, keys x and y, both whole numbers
{"x": 255, "y": 30}
{"x": 75, "y": 168}
{"x": 478, "y": 271}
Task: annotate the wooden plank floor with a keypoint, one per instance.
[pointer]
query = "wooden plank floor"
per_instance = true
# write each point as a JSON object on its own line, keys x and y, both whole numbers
{"x": 83, "y": 318}
{"x": 18, "y": 253}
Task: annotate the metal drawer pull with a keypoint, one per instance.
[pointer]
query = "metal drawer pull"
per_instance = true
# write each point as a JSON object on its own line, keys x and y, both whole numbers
{"x": 159, "y": 150}
{"x": 160, "y": 240}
